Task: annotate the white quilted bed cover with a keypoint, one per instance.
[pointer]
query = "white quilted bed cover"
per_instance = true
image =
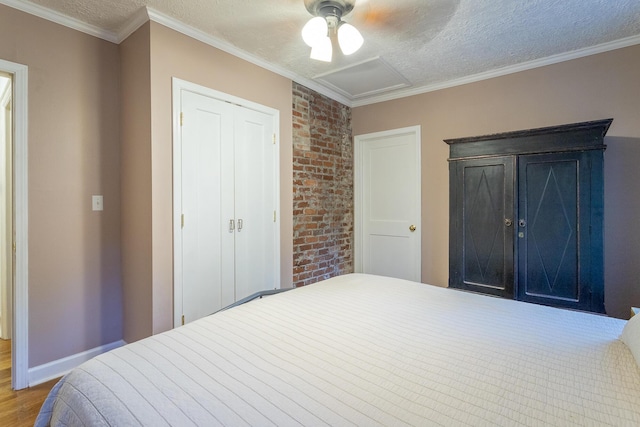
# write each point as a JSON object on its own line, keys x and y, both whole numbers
{"x": 364, "y": 350}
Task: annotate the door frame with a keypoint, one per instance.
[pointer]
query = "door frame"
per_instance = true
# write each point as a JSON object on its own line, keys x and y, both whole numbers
{"x": 178, "y": 85}
{"x": 20, "y": 327}
{"x": 359, "y": 142}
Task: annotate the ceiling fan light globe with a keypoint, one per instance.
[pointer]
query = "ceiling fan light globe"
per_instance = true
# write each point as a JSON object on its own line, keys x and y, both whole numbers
{"x": 314, "y": 31}
{"x": 322, "y": 51}
{"x": 349, "y": 39}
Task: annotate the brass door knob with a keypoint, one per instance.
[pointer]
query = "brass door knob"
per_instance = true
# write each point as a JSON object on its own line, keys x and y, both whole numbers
{"x": 412, "y": 228}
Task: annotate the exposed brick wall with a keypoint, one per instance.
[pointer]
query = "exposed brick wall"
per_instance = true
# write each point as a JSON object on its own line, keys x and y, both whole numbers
{"x": 322, "y": 187}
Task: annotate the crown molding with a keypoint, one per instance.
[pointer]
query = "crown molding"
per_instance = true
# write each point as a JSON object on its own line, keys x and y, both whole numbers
{"x": 529, "y": 65}
{"x": 145, "y": 14}
{"x": 227, "y": 47}
{"x": 136, "y": 21}
{"x": 59, "y": 18}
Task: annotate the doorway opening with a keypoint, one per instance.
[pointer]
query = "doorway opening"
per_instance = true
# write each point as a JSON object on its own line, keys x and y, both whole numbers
{"x": 14, "y": 217}
{"x": 6, "y": 205}
{"x": 6, "y": 219}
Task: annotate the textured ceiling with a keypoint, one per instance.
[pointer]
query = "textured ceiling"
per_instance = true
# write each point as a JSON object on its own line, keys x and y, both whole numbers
{"x": 428, "y": 43}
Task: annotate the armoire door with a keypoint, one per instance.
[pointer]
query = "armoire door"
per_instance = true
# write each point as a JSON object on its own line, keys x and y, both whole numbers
{"x": 482, "y": 225}
{"x": 553, "y": 230}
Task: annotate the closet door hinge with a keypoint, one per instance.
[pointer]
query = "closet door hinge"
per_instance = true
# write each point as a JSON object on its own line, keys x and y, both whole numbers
{"x": 183, "y": 320}
{"x": 181, "y": 118}
{"x": 274, "y": 216}
{"x": 274, "y": 139}
{"x": 182, "y": 221}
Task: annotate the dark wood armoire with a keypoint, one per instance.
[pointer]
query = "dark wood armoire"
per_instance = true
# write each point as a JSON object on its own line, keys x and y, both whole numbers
{"x": 526, "y": 215}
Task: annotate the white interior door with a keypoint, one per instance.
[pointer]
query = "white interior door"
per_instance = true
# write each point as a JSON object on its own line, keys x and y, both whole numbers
{"x": 255, "y": 203}
{"x": 207, "y": 205}
{"x": 387, "y": 193}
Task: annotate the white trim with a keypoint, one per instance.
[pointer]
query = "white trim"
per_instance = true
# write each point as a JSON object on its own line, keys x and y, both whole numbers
{"x": 176, "y": 107}
{"x": 359, "y": 141}
{"x": 136, "y": 21}
{"x": 58, "y": 368}
{"x": 178, "y": 85}
{"x": 225, "y": 46}
{"x": 212, "y": 93}
{"x": 357, "y": 203}
{"x": 59, "y": 18}
{"x": 142, "y": 16}
{"x": 20, "y": 333}
{"x": 511, "y": 69}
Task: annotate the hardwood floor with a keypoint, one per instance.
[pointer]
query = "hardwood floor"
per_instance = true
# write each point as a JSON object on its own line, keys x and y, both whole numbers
{"x": 18, "y": 408}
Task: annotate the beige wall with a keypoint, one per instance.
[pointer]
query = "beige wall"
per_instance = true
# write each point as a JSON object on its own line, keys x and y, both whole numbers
{"x": 136, "y": 213}
{"x": 75, "y": 295}
{"x": 595, "y": 87}
{"x": 175, "y": 55}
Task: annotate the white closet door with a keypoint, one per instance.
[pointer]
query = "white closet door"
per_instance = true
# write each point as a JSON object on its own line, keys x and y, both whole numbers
{"x": 207, "y": 205}
{"x": 255, "y": 198}
{"x": 226, "y": 187}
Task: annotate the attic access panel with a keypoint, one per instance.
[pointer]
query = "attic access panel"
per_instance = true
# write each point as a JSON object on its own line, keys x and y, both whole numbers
{"x": 366, "y": 78}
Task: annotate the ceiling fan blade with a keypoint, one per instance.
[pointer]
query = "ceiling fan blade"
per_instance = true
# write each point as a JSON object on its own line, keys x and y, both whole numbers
{"x": 368, "y": 14}
{"x": 365, "y": 14}
{"x": 394, "y": 17}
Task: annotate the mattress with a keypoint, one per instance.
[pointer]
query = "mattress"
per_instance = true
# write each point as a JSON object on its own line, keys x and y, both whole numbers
{"x": 363, "y": 350}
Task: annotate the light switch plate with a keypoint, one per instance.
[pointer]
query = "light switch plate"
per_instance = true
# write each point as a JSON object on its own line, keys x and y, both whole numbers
{"x": 96, "y": 203}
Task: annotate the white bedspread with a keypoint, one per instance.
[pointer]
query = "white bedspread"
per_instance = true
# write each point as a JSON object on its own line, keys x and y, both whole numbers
{"x": 364, "y": 350}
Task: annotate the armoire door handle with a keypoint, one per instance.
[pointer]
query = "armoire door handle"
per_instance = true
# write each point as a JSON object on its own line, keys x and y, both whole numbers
{"x": 232, "y": 225}
{"x": 239, "y": 225}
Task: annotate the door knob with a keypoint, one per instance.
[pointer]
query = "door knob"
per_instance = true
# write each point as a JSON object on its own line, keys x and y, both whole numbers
{"x": 412, "y": 228}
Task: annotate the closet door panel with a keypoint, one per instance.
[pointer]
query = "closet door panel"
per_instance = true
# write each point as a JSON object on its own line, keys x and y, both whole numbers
{"x": 483, "y": 226}
{"x": 254, "y": 202}
{"x": 206, "y": 242}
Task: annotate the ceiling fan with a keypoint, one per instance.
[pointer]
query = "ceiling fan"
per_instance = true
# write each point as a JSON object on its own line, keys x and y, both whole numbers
{"x": 326, "y": 24}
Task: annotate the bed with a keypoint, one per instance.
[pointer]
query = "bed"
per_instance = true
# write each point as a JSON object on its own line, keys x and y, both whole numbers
{"x": 363, "y": 350}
